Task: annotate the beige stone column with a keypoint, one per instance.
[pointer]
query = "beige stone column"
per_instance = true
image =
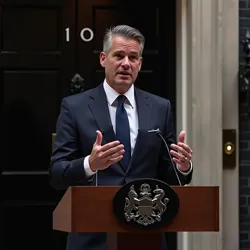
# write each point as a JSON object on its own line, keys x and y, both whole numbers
{"x": 207, "y": 103}
{"x": 199, "y": 97}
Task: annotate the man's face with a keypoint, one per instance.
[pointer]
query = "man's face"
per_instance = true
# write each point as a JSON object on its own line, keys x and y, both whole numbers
{"x": 122, "y": 63}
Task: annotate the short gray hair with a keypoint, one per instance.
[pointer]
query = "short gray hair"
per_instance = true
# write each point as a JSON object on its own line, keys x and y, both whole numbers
{"x": 125, "y": 31}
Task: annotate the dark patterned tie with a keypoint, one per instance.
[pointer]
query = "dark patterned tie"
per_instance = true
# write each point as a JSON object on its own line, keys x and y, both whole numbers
{"x": 123, "y": 130}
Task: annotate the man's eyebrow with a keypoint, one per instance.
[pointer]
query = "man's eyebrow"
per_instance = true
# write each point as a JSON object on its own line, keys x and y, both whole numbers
{"x": 122, "y": 51}
{"x": 135, "y": 52}
{"x": 119, "y": 51}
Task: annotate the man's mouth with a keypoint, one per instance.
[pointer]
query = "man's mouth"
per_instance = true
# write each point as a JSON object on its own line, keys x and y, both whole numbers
{"x": 124, "y": 73}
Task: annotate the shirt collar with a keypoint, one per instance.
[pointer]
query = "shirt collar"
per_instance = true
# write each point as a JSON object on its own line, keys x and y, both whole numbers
{"x": 113, "y": 94}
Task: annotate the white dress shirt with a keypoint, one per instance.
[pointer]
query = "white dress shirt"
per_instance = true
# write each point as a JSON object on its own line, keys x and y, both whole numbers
{"x": 131, "y": 109}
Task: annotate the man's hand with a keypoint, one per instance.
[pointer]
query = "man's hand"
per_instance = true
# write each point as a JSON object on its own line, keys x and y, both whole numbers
{"x": 182, "y": 153}
{"x": 103, "y": 156}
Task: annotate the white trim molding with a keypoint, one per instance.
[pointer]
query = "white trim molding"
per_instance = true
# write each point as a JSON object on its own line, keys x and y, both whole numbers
{"x": 230, "y": 121}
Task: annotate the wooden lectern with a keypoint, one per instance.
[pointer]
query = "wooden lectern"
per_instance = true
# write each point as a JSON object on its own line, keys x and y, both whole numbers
{"x": 90, "y": 209}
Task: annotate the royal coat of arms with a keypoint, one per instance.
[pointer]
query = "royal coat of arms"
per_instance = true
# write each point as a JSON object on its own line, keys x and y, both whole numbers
{"x": 145, "y": 210}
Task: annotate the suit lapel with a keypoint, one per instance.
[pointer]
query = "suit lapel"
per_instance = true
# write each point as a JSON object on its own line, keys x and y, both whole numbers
{"x": 144, "y": 109}
{"x": 99, "y": 108}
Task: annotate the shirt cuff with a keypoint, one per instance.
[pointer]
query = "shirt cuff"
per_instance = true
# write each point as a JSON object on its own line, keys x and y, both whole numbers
{"x": 88, "y": 171}
{"x": 187, "y": 172}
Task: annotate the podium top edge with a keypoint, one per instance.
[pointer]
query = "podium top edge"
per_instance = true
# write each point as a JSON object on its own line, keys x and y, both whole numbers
{"x": 212, "y": 186}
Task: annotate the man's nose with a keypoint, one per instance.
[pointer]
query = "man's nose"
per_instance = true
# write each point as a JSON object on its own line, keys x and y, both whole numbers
{"x": 125, "y": 62}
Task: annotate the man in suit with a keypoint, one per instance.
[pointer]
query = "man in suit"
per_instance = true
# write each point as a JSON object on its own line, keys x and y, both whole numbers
{"x": 102, "y": 134}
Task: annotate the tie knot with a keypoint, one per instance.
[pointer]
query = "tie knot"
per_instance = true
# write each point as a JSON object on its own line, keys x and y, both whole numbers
{"x": 121, "y": 99}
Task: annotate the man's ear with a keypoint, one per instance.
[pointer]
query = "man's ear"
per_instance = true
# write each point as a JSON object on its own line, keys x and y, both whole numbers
{"x": 102, "y": 59}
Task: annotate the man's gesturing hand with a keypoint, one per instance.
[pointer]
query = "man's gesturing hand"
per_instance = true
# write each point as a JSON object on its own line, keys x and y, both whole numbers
{"x": 103, "y": 156}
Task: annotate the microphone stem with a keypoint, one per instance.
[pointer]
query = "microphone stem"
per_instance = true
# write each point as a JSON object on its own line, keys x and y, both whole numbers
{"x": 96, "y": 178}
{"x": 170, "y": 157}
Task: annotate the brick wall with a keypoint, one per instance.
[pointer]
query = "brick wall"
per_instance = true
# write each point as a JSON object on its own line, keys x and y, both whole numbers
{"x": 244, "y": 123}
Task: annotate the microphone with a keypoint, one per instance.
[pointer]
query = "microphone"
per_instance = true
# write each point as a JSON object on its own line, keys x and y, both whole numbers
{"x": 96, "y": 178}
{"x": 96, "y": 174}
{"x": 158, "y": 132}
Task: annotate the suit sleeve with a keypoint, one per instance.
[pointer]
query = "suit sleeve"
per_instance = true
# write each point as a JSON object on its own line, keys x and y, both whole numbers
{"x": 165, "y": 168}
{"x": 66, "y": 165}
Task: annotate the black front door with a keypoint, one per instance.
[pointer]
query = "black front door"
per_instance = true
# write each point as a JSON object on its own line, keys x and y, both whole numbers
{"x": 43, "y": 45}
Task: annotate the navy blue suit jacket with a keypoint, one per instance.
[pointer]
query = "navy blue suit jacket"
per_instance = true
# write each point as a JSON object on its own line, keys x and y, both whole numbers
{"x": 84, "y": 113}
